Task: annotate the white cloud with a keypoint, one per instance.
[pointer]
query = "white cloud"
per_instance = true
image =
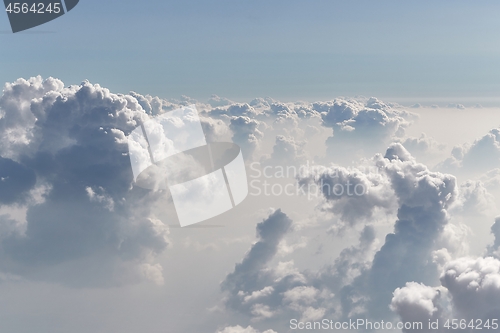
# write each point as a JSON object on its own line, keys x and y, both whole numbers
{"x": 476, "y": 158}
{"x": 417, "y": 303}
{"x": 246, "y": 134}
{"x": 239, "y": 329}
{"x": 71, "y": 142}
{"x": 474, "y": 287}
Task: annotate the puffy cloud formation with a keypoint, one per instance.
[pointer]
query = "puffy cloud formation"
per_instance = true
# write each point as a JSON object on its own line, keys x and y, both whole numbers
{"x": 16, "y": 180}
{"x": 423, "y": 199}
{"x": 67, "y": 145}
{"x": 474, "y": 287}
{"x": 239, "y": 329}
{"x": 349, "y": 193}
{"x": 424, "y": 148}
{"x": 491, "y": 179}
{"x": 469, "y": 290}
{"x": 361, "y": 281}
{"x": 245, "y": 283}
{"x": 494, "y": 249}
{"x": 264, "y": 292}
{"x": 362, "y": 126}
{"x": 246, "y": 133}
{"x": 287, "y": 151}
{"x": 63, "y": 162}
{"x": 417, "y": 303}
{"x": 480, "y": 156}
{"x": 216, "y": 101}
{"x": 475, "y": 199}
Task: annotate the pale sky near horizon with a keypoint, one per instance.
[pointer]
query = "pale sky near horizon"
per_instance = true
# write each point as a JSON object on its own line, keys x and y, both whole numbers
{"x": 440, "y": 52}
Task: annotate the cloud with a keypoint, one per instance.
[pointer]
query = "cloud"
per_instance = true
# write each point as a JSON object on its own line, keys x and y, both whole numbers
{"x": 361, "y": 281}
{"x": 474, "y": 287}
{"x": 246, "y": 134}
{"x": 90, "y": 226}
{"x": 349, "y": 193}
{"x": 16, "y": 181}
{"x": 475, "y": 199}
{"x": 287, "y": 151}
{"x": 361, "y": 127}
{"x": 494, "y": 249}
{"x": 423, "y": 148}
{"x": 239, "y": 329}
{"x": 476, "y": 158}
{"x": 423, "y": 198}
{"x": 456, "y": 106}
{"x": 246, "y": 274}
{"x": 234, "y": 110}
{"x": 417, "y": 303}
{"x": 216, "y": 101}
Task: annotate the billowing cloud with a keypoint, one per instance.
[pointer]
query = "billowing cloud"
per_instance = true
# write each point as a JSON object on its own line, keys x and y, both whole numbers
{"x": 239, "y": 329}
{"x": 417, "y": 303}
{"x": 494, "y": 249}
{"x": 474, "y": 287}
{"x": 350, "y": 193}
{"x": 247, "y": 275}
{"x": 424, "y": 148}
{"x": 246, "y": 133}
{"x": 287, "y": 151}
{"x": 362, "y": 127}
{"x": 476, "y": 158}
{"x": 360, "y": 283}
{"x": 423, "y": 198}
{"x": 90, "y": 222}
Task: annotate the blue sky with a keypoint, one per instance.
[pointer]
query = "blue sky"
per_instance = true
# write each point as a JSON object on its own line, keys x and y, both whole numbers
{"x": 446, "y": 50}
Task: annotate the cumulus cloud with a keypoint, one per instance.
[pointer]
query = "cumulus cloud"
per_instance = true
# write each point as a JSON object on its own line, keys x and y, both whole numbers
{"x": 423, "y": 148}
{"x": 474, "y": 287}
{"x": 216, "y": 101}
{"x": 475, "y": 199}
{"x": 246, "y": 134}
{"x": 350, "y": 193}
{"x": 71, "y": 141}
{"x": 417, "y": 303}
{"x": 423, "y": 199}
{"x": 247, "y": 274}
{"x": 239, "y": 329}
{"x": 287, "y": 151}
{"x": 363, "y": 127}
{"x": 476, "y": 158}
{"x": 16, "y": 181}
{"x": 494, "y": 249}
{"x": 360, "y": 283}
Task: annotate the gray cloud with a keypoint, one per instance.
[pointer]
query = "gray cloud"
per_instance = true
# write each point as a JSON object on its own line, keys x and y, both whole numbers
{"x": 474, "y": 287}
{"x": 71, "y": 141}
{"x": 476, "y": 158}
{"x": 362, "y": 128}
{"x": 494, "y": 249}
{"x": 239, "y": 329}
{"x": 418, "y": 303}
{"x": 246, "y": 133}
{"x": 246, "y": 274}
{"x": 15, "y": 180}
{"x": 350, "y": 193}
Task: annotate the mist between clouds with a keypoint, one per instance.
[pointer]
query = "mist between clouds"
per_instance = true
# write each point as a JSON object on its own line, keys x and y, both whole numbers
{"x": 291, "y": 180}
